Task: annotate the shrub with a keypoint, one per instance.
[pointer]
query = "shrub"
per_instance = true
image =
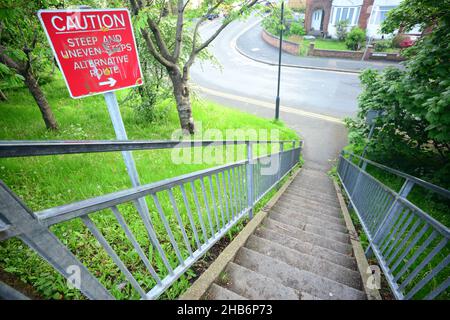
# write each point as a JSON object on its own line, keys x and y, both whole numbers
{"x": 383, "y": 45}
{"x": 355, "y": 38}
{"x": 297, "y": 29}
{"x": 341, "y": 30}
{"x": 397, "y": 40}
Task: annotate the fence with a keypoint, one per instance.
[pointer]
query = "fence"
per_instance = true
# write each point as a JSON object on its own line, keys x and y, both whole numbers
{"x": 411, "y": 247}
{"x": 203, "y": 207}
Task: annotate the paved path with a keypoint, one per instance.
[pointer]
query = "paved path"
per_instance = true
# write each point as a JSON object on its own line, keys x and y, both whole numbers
{"x": 253, "y": 46}
{"x": 301, "y": 251}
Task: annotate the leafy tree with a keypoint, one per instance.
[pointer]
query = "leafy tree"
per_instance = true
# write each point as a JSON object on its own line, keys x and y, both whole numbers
{"x": 342, "y": 29}
{"x": 355, "y": 38}
{"x": 24, "y": 53}
{"x": 414, "y": 132}
{"x": 173, "y": 52}
{"x": 271, "y": 23}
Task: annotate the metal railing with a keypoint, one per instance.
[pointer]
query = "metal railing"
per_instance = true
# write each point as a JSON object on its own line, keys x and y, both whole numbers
{"x": 410, "y": 246}
{"x": 187, "y": 214}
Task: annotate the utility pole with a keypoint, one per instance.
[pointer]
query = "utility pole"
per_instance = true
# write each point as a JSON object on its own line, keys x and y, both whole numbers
{"x": 277, "y": 101}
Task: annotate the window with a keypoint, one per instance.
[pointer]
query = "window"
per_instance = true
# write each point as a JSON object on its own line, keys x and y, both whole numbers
{"x": 351, "y": 14}
{"x": 379, "y": 14}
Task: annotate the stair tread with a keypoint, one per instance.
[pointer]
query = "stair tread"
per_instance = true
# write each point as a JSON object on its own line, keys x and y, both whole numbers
{"x": 316, "y": 265}
{"x": 312, "y": 228}
{"x": 307, "y": 248}
{"x": 217, "y": 292}
{"x": 310, "y": 219}
{"x": 292, "y": 277}
{"x": 298, "y": 205}
{"x": 308, "y": 236}
{"x": 314, "y": 196}
{"x": 308, "y": 212}
{"x": 255, "y": 286}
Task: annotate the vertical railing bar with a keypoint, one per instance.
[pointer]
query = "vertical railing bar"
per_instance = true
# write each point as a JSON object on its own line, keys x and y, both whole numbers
{"x": 135, "y": 244}
{"x": 180, "y": 221}
{"x": 225, "y": 194}
{"x": 97, "y": 234}
{"x": 230, "y": 192}
{"x": 400, "y": 220}
{"x": 424, "y": 262}
{"x": 399, "y": 234}
{"x": 443, "y": 286}
{"x": 410, "y": 246}
{"x": 380, "y": 198}
{"x": 167, "y": 227}
{"x": 189, "y": 213}
{"x": 213, "y": 198}
{"x": 208, "y": 212}
{"x": 428, "y": 277}
{"x": 405, "y": 240}
{"x": 239, "y": 187}
{"x": 250, "y": 179}
{"x": 234, "y": 178}
{"x": 416, "y": 255}
{"x": 219, "y": 197}
{"x": 199, "y": 212}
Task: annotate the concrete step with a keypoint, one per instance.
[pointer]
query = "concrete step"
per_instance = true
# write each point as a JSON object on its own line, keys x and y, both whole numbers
{"x": 314, "y": 203}
{"x": 305, "y": 262}
{"x": 316, "y": 229}
{"x": 310, "y": 219}
{"x": 292, "y": 277}
{"x": 307, "y": 236}
{"x": 328, "y": 193}
{"x": 314, "y": 196}
{"x": 283, "y": 208}
{"x": 299, "y": 190}
{"x": 304, "y": 205}
{"x": 255, "y": 286}
{"x": 216, "y": 292}
{"x": 346, "y": 261}
{"x": 326, "y": 190}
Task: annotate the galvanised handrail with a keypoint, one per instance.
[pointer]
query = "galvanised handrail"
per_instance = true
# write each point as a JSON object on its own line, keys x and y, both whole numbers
{"x": 201, "y": 207}
{"x": 410, "y": 246}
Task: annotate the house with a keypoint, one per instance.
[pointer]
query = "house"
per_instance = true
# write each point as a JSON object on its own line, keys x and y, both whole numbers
{"x": 322, "y": 16}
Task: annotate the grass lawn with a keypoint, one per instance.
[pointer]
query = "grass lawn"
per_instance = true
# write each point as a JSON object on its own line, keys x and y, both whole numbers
{"x": 48, "y": 181}
{"x": 319, "y": 43}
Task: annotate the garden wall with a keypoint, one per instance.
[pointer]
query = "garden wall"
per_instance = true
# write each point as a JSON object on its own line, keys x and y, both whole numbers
{"x": 274, "y": 41}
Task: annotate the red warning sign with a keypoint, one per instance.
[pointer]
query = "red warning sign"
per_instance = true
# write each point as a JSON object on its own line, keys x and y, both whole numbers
{"x": 95, "y": 49}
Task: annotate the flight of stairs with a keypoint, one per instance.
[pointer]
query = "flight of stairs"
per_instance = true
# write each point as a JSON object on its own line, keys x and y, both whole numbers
{"x": 301, "y": 251}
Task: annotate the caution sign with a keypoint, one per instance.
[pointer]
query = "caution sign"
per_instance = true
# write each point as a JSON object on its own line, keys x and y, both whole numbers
{"x": 95, "y": 49}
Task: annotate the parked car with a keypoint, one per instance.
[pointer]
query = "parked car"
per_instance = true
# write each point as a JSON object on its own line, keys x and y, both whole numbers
{"x": 212, "y": 16}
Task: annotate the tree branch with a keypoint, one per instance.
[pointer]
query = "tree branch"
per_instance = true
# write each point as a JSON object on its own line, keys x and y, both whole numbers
{"x": 179, "y": 31}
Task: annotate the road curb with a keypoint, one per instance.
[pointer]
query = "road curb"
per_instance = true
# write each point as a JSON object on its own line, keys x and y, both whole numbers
{"x": 202, "y": 284}
{"x": 293, "y": 65}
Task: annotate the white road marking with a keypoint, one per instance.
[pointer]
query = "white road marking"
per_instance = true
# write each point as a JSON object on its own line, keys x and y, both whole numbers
{"x": 268, "y": 105}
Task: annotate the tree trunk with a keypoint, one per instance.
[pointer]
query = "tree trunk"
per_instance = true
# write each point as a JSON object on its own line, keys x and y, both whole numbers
{"x": 39, "y": 97}
{"x": 181, "y": 93}
{"x": 3, "y": 96}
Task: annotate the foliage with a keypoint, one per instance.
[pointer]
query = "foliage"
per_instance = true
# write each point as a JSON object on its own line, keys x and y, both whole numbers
{"x": 342, "y": 29}
{"x": 271, "y": 23}
{"x": 413, "y": 135}
{"x": 297, "y": 29}
{"x": 22, "y": 39}
{"x": 355, "y": 38}
{"x": 383, "y": 45}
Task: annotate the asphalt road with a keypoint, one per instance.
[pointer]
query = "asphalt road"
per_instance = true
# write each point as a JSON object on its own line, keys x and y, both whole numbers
{"x": 313, "y": 101}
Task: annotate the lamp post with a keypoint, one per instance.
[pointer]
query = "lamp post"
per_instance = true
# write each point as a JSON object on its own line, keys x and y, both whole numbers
{"x": 277, "y": 101}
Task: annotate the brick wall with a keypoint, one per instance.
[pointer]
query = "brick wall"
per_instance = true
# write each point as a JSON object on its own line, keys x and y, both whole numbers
{"x": 287, "y": 46}
{"x": 311, "y": 6}
{"x": 364, "y": 15}
{"x": 355, "y": 55}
